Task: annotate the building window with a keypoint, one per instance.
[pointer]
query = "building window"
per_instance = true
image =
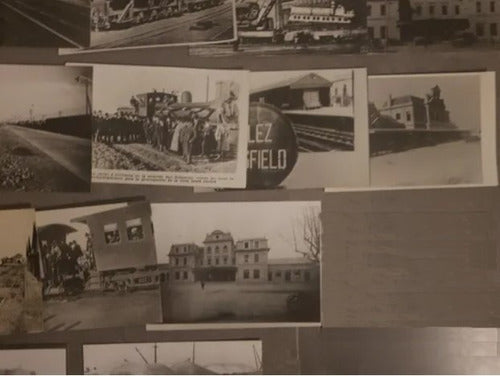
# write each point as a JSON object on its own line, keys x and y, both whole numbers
{"x": 216, "y": 249}
{"x": 307, "y": 275}
{"x": 246, "y": 244}
{"x": 176, "y": 261}
{"x": 184, "y": 249}
{"x": 185, "y": 261}
{"x": 209, "y": 261}
{"x": 256, "y": 274}
{"x": 177, "y": 275}
{"x": 480, "y": 29}
{"x": 246, "y": 258}
{"x": 368, "y": 10}
{"x": 278, "y": 274}
{"x": 111, "y": 233}
{"x": 269, "y": 276}
{"x": 398, "y": 116}
{"x": 288, "y": 275}
{"x": 216, "y": 261}
{"x": 492, "y": 6}
{"x": 382, "y": 9}
{"x": 185, "y": 275}
{"x": 256, "y": 244}
{"x": 296, "y": 273}
{"x": 256, "y": 258}
{"x": 418, "y": 10}
{"x": 371, "y": 35}
{"x": 431, "y": 10}
{"x": 457, "y": 9}
{"x": 225, "y": 260}
{"x": 382, "y": 32}
{"x": 209, "y": 250}
{"x": 225, "y": 247}
{"x": 493, "y": 30}
{"x": 134, "y": 229}
{"x": 444, "y": 10}
{"x": 408, "y": 116}
{"x": 478, "y": 6}
{"x": 246, "y": 274}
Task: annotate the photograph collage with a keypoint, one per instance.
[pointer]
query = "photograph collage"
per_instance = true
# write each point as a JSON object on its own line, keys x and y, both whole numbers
{"x": 245, "y": 187}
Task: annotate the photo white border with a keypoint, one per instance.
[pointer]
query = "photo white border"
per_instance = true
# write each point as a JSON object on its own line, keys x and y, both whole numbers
{"x": 95, "y": 49}
{"x": 236, "y": 179}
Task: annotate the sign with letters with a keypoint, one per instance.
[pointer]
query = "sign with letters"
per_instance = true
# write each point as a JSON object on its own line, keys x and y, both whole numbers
{"x": 272, "y": 147}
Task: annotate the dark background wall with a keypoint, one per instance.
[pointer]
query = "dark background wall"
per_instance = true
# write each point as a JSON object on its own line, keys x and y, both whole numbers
{"x": 390, "y": 259}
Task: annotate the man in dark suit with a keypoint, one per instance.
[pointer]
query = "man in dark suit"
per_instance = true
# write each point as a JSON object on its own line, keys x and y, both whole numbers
{"x": 187, "y": 137}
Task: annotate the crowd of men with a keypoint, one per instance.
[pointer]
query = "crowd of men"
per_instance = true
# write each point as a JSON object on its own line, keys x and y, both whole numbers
{"x": 186, "y": 135}
{"x": 63, "y": 260}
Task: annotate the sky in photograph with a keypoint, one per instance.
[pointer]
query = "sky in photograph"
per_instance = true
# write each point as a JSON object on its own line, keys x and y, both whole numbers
{"x": 237, "y": 356}
{"x": 260, "y": 80}
{"x": 190, "y": 223}
{"x": 114, "y": 86}
{"x": 16, "y": 227}
{"x": 460, "y": 92}
{"x": 64, "y": 216}
{"x": 40, "y": 361}
{"x": 48, "y": 90}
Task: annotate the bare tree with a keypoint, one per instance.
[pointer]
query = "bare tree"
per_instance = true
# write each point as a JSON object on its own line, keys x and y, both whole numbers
{"x": 307, "y": 234}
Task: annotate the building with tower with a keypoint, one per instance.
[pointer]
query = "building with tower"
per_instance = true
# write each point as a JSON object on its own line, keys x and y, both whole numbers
{"x": 222, "y": 259}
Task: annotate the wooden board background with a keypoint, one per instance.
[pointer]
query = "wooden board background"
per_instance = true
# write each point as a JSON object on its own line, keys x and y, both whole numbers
{"x": 404, "y": 262}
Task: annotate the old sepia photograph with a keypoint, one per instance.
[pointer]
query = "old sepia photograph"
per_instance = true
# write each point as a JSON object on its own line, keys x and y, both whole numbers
{"x": 45, "y": 128}
{"x": 432, "y": 130}
{"x": 118, "y": 24}
{"x": 158, "y": 125}
{"x": 308, "y": 129}
{"x": 326, "y": 111}
{"x": 21, "y": 307}
{"x": 415, "y": 26}
{"x": 174, "y": 358}
{"x": 98, "y": 266}
{"x": 33, "y": 361}
{"x": 43, "y": 23}
{"x": 239, "y": 262}
{"x": 278, "y": 27}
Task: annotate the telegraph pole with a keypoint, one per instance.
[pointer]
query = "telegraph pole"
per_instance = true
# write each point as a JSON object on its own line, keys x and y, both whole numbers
{"x": 88, "y": 83}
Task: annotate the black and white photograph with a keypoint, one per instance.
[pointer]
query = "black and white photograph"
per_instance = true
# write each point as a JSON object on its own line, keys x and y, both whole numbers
{"x": 291, "y": 27}
{"x": 33, "y": 361}
{"x": 170, "y": 126}
{"x": 432, "y": 130}
{"x": 20, "y": 292}
{"x": 415, "y": 26}
{"x": 239, "y": 262}
{"x": 99, "y": 266}
{"x": 45, "y": 23}
{"x": 45, "y": 128}
{"x": 243, "y": 357}
{"x": 127, "y": 24}
{"x": 326, "y": 111}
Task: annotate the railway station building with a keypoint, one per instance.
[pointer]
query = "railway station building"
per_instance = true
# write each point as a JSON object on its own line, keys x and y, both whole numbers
{"x": 419, "y": 113}
{"x": 303, "y": 93}
{"x": 221, "y": 259}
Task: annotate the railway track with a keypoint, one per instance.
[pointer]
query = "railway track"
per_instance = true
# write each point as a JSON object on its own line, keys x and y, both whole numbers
{"x": 311, "y": 138}
{"x": 162, "y": 28}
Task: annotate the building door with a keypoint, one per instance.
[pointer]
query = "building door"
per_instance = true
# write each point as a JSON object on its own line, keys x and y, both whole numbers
{"x": 311, "y": 99}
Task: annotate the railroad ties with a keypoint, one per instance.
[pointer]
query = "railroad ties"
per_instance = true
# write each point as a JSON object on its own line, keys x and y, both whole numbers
{"x": 312, "y": 139}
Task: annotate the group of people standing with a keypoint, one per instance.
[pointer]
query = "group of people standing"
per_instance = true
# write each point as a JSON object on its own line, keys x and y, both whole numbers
{"x": 186, "y": 135}
{"x": 61, "y": 260}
